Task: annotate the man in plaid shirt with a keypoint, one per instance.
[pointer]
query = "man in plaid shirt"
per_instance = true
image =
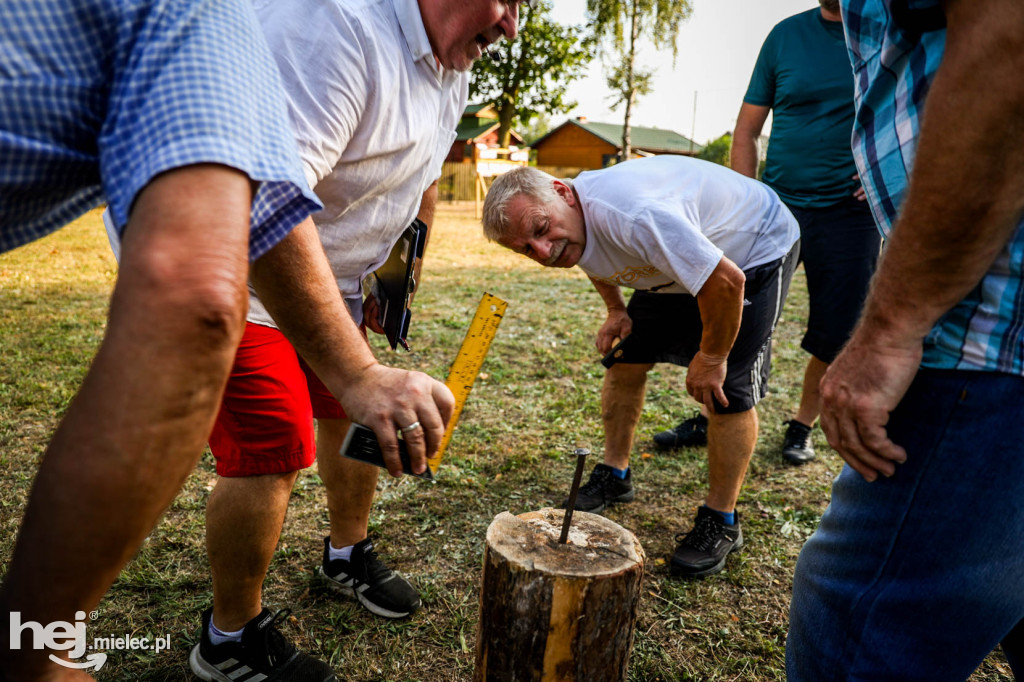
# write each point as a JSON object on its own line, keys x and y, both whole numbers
{"x": 917, "y": 569}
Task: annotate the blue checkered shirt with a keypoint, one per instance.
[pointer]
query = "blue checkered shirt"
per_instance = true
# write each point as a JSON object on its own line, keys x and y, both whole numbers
{"x": 99, "y": 96}
{"x": 896, "y": 47}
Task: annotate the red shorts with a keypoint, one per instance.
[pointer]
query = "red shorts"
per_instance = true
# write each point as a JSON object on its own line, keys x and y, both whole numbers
{"x": 265, "y": 424}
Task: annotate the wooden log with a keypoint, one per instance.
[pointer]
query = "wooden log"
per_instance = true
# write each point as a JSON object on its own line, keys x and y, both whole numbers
{"x": 556, "y": 612}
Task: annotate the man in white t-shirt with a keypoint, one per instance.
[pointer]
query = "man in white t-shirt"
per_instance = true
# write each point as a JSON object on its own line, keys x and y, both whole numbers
{"x": 710, "y": 254}
{"x": 375, "y": 89}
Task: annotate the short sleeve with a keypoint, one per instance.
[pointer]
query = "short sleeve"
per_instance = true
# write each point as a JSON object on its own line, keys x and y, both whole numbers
{"x": 455, "y": 105}
{"x": 194, "y": 83}
{"x": 761, "y": 90}
{"x": 326, "y": 90}
{"x": 671, "y": 241}
{"x": 102, "y": 97}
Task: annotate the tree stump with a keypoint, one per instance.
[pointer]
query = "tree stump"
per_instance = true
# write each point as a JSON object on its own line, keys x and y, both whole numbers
{"x": 556, "y": 612}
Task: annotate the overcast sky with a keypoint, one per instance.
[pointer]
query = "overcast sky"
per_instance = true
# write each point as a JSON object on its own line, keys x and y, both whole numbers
{"x": 717, "y": 49}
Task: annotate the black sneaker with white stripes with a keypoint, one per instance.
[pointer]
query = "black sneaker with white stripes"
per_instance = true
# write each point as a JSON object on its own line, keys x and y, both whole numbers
{"x": 365, "y": 577}
{"x": 797, "y": 447}
{"x": 263, "y": 655}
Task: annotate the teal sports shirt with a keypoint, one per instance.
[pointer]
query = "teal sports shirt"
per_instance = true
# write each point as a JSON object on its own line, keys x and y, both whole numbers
{"x": 803, "y": 73}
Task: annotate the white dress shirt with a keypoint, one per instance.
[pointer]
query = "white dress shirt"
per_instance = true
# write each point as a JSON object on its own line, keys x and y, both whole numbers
{"x": 374, "y": 115}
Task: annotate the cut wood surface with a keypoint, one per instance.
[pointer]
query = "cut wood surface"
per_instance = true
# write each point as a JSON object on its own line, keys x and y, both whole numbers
{"x": 550, "y": 611}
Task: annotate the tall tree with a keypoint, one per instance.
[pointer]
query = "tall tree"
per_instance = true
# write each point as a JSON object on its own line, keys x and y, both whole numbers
{"x": 534, "y": 71}
{"x": 621, "y": 24}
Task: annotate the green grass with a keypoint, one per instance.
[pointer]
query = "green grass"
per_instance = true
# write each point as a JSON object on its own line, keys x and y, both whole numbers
{"x": 536, "y": 399}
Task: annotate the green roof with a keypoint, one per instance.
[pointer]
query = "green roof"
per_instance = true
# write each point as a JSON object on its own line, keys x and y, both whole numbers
{"x": 472, "y": 128}
{"x": 647, "y": 139}
{"x": 474, "y": 108}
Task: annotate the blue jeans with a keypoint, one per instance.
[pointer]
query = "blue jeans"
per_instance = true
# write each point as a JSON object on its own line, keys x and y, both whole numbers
{"x": 920, "y": 576}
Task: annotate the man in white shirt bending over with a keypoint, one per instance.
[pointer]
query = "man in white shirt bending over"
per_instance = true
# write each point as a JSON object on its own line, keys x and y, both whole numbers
{"x": 710, "y": 254}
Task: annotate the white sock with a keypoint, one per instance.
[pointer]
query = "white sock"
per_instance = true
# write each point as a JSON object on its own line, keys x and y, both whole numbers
{"x": 343, "y": 553}
{"x": 218, "y": 636}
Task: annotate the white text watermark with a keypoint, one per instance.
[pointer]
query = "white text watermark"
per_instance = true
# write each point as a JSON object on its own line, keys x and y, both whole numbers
{"x": 71, "y": 637}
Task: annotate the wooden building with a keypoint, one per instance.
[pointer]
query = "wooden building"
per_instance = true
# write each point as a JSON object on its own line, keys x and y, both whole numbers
{"x": 478, "y": 126}
{"x": 582, "y": 144}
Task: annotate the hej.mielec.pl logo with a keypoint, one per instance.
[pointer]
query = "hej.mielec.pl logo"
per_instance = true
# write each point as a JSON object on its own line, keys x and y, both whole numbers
{"x": 70, "y": 637}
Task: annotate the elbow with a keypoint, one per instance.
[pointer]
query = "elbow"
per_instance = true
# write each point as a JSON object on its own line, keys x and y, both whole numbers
{"x": 216, "y": 314}
{"x": 743, "y": 134}
{"x": 199, "y": 303}
{"x": 213, "y": 310}
{"x": 726, "y": 283}
{"x": 730, "y": 278}
{"x": 746, "y": 132}
{"x": 738, "y": 281}
{"x": 733, "y": 287}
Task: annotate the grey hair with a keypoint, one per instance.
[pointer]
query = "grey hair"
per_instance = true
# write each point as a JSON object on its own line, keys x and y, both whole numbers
{"x": 535, "y": 184}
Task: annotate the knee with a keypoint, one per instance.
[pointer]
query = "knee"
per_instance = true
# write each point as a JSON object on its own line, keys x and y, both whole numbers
{"x": 626, "y": 375}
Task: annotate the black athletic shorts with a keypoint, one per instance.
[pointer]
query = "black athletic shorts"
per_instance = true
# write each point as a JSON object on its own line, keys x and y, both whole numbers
{"x": 667, "y": 328}
{"x": 839, "y": 247}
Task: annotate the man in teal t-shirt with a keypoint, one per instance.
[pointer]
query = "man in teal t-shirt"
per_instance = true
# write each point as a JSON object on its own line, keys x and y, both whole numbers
{"x": 803, "y": 77}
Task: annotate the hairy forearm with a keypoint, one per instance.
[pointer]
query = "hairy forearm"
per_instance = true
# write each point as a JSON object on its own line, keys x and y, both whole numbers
{"x": 966, "y": 192}
{"x": 610, "y": 294}
{"x": 720, "y": 301}
{"x": 295, "y": 283}
{"x": 749, "y": 123}
{"x": 145, "y": 409}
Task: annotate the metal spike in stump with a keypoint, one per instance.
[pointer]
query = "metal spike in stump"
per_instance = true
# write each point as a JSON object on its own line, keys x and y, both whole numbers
{"x": 553, "y": 611}
{"x": 581, "y": 457}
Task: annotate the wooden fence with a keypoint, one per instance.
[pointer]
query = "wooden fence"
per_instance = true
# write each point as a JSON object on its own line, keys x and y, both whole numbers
{"x": 458, "y": 180}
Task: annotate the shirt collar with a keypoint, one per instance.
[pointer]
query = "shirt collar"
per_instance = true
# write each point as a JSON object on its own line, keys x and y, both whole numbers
{"x": 415, "y": 32}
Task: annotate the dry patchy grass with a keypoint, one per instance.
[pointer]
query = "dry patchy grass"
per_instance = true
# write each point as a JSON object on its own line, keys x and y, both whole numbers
{"x": 536, "y": 399}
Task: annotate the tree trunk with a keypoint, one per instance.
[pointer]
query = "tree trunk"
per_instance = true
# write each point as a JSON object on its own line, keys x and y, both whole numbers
{"x": 505, "y": 115}
{"x": 556, "y": 613}
{"x": 634, "y": 34}
{"x": 510, "y": 93}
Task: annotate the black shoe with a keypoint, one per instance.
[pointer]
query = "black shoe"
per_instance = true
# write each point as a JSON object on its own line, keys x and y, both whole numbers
{"x": 365, "y": 577}
{"x": 703, "y": 550}
{"x": 693, "y": 431}
{"x": 797, "y": 448}
{"x": 603, "y": 488}
{"x": 263, "y": 654}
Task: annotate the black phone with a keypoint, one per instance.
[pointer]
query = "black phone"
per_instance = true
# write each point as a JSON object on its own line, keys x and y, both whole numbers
{"x": 361, "y": 445}
{"x": 618, "y": 352}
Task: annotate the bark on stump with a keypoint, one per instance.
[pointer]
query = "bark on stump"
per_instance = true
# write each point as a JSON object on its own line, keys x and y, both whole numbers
{"x": 556, "y": 612}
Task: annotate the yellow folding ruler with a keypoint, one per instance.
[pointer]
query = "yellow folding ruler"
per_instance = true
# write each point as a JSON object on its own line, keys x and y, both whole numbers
{"x": 468, "y": 362}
